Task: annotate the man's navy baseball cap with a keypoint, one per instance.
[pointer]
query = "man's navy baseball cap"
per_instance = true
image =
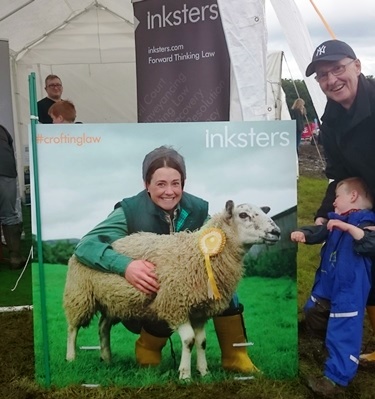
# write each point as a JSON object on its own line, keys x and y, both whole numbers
{"x": 331, "y": 50}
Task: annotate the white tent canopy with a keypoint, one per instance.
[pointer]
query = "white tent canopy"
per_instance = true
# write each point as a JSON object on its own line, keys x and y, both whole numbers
{"x": 28, "y": 21}
{"x": 90, "y": 45}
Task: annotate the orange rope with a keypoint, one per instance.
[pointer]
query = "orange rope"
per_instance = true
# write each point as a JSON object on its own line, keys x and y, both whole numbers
{"x": 330, "y": 31}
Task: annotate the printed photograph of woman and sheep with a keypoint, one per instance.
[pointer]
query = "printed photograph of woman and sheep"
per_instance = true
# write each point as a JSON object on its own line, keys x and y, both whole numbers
{"x": 212, "y": 296}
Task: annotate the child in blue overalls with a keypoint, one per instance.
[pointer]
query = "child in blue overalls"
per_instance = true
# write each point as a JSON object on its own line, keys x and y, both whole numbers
{"x": 342, "y": 283}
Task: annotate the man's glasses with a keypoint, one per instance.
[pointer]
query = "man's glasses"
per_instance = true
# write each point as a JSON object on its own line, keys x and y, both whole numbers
{"x": 54, "y": 85}
{"x": 336, "y": 71}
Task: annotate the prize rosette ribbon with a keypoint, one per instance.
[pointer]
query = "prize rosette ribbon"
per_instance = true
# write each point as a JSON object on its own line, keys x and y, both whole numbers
{"x": 211, "y": 243}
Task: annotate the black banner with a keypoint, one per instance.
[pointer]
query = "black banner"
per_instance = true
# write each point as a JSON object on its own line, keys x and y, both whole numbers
{"x": 182, "y": 61}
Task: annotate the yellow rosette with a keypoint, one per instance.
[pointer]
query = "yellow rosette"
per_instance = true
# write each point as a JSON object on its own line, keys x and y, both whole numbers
{"x": 211, "y": 242}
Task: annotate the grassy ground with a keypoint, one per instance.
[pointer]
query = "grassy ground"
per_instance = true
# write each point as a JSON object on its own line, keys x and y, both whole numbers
{"x": 17, "y": 361}
{"x": 310, "y": 192}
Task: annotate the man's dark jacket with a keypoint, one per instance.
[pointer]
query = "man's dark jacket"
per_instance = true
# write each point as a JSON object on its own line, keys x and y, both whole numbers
{"x": 348, "y": 138}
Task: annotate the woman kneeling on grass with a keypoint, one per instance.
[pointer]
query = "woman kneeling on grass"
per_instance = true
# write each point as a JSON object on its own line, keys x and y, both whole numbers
{"x": 162, "y": 207}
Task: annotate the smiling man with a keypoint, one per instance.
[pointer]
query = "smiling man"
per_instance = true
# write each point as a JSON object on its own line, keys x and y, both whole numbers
{"x": 54, "y": 89}
{"x": 347, "y": 132}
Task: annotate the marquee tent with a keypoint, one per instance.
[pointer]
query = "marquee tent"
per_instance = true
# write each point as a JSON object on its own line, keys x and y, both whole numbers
{"x": 90, "y": 45}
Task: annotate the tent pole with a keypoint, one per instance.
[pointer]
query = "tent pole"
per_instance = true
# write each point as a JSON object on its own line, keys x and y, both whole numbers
{"x": 330, "y": 31}
{"x": 16, "y": 10}
{"x": 43, "y": 304}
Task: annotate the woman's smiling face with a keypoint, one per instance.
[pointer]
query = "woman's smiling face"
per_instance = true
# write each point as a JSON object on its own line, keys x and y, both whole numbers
{"x": 165, "y": 188}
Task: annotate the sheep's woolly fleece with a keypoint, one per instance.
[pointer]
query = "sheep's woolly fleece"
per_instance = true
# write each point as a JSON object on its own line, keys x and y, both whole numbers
{"x": 182, "y": 291}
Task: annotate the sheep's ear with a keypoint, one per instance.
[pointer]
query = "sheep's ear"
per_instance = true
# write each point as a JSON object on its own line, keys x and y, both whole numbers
{"x": 229, "y": 209}
{"x": 265, "y": 209}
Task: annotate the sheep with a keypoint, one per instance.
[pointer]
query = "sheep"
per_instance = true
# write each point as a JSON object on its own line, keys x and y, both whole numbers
{"x": 185, "y": 299}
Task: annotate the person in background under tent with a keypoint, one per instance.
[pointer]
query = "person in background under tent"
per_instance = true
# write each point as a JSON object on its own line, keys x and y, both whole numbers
{"x": 299, "y": 115}
{"x": 54, "y": 89}
{"x": 10, "y": 221}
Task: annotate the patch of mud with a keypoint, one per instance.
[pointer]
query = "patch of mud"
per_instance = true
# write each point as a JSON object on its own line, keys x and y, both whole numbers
{"x": 311, "y": 160}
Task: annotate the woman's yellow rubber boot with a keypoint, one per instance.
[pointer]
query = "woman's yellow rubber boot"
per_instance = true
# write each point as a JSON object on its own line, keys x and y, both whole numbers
{"x": 230, "y": 331}
{"x": 148, "y": 349}
{"x": 369, "y": 357}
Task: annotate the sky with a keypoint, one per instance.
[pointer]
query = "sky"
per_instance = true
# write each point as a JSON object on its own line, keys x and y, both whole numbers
{"x": 351, "y": 21}
{"x": 80, "y": 184}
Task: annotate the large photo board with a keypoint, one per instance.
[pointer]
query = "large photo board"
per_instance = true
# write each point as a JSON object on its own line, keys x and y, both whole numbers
{"x": 83, "y": 170}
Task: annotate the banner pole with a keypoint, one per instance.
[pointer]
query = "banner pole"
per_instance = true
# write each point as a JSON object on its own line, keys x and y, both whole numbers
{"x": 43, "y": 305}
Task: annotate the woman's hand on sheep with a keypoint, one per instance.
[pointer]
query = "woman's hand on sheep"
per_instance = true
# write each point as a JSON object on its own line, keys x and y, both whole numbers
{"x": 141, "y": 275}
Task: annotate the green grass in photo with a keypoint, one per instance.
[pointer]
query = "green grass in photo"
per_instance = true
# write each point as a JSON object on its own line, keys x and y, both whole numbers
{"x": 270, "y": 318}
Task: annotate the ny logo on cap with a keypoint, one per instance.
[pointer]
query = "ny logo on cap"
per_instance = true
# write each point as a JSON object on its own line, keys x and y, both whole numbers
{"x": 320, "y": 50}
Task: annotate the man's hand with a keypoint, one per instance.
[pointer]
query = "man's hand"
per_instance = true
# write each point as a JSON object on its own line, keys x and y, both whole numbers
{"x": 141, "y": 275}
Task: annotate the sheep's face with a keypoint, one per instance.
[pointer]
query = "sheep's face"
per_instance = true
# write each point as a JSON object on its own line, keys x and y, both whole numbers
{"x": 253, "y": 225}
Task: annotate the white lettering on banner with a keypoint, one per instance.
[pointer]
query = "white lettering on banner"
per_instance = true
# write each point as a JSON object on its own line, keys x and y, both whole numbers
{"x": 207, "y": 54}
{"x": 242, "y": 139}
{"x": 163, "y": 60}
{"x": 186, "y": 56}
{"x": 167, "y": 49}
{"x": 182, "y": 17}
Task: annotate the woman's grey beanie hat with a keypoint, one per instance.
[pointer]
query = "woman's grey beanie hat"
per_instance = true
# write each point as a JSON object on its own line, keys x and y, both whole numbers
{"x": 163, "y": 152}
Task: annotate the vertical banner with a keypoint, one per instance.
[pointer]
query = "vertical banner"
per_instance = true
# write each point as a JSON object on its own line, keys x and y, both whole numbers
{"x": 182, "y": 61}
{"x": 247, "y": 162}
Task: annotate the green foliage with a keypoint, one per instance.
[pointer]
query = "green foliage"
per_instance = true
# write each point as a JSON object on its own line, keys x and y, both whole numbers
{"x": 297, "y": 88}
{"x": 58, "y": 251}
{"x": 280, "y": 263}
